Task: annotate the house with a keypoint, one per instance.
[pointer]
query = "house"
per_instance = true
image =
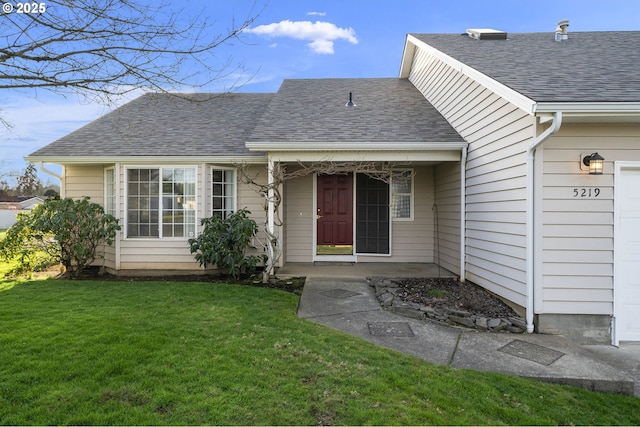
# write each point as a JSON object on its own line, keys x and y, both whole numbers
{"x": 11, "y": 206}
{"x": 489, "y": 138}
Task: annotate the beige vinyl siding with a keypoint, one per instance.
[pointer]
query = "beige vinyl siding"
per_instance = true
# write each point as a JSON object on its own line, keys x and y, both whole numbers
{"x": 299, "y": 219}
{"x": 447, "y": 202}
{"x": 88, "y": 180}
{"x": 81, "y": 181}
{"x": 498, "y": 134}
{"x": 577, "y": 232}
{"x": 249, "y": 198}
{"x": 156, "y": 254}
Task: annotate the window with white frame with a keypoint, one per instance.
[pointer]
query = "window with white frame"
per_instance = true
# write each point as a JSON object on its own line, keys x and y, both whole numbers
{"x": 402, "y": 195}
{"x": 109, "y": 191}
{"x": 223, "y": 193}
{"x": 161, "y": 202}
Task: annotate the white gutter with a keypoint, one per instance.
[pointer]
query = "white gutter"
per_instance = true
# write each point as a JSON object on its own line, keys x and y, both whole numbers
{"x": 463, "y": 213}
{"x": 555, "y": 126}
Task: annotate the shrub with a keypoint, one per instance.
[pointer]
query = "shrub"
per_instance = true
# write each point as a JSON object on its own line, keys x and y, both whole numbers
{"x": 32, "y": 250}
{"x": 72, "y": 229}
{"x": 223, "y": 243}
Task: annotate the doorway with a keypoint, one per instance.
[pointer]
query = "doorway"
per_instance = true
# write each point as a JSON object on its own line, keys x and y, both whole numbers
{"x": 334, "y": 214}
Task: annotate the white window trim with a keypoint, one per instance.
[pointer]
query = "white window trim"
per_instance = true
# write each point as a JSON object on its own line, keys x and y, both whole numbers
{"x": 210, "y": 186}
{"x": 126, "y": 202}
{"x": 411, "y": 195}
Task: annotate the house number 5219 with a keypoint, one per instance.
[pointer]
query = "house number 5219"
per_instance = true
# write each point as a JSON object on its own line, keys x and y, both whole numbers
{"x": 586, "y": 192}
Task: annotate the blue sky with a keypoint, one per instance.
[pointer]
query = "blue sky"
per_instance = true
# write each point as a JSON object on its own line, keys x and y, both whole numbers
{"x": 312, "y": 39}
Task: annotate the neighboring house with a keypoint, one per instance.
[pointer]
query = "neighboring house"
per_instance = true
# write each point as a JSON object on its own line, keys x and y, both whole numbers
{"x": 521, "y": 217}
{"x": 10, "y": 207}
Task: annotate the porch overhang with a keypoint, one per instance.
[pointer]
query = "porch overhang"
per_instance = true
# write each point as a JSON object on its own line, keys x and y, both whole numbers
{"x": 371, "y": 151}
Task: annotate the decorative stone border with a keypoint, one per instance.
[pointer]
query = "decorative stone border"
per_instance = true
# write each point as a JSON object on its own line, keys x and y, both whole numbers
{"x": 386, "y": 293}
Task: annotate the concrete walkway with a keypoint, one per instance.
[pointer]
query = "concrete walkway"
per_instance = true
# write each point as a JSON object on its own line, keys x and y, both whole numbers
{"x": 347, "y": 303}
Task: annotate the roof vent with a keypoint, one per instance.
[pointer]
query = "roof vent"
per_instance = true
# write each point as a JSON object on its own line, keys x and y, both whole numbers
{"x": 561, "y": 30}
{"x": 486, "y": 34}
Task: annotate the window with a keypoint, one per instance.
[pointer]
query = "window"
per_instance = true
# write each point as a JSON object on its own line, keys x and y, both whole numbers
{"x": 161, "y": 202}
{"x": 402, "y": 195}
{"x": 109, "y": 192}
{"x": 223, "y": 195}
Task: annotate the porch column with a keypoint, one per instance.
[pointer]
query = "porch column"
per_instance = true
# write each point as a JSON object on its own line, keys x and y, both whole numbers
{"x": 270, "y": 203}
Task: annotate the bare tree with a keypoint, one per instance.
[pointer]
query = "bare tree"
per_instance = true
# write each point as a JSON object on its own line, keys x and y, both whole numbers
{"x": 105, "y": 48}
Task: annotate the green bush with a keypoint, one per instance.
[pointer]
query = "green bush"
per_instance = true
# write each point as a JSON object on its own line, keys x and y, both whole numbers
{"x": 66, "y": 230}
{"x": 223, "y": 243}
{"x": 31, "y": 250}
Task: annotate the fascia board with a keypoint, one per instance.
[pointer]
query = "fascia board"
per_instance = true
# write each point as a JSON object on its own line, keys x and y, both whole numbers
{"x": 75, "y": 160}
{"x": 315, "y": 146}
{"x": 516, "y": 98}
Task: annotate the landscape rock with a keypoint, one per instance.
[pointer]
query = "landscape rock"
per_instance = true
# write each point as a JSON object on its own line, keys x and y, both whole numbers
{"x": 392, "y": 296}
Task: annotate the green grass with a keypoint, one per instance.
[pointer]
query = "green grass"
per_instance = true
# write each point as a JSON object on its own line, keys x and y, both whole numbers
{"x": 158, "y": 353}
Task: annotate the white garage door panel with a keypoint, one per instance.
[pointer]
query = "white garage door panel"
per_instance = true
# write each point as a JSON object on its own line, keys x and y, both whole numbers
{"x": 627, "y": 256}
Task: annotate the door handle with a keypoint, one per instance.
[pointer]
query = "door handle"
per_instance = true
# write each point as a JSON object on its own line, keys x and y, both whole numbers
{"x": 318, "y": 216}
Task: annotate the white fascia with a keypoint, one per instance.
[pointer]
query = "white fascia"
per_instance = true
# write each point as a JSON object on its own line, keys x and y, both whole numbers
{"x": 526, "y": 104}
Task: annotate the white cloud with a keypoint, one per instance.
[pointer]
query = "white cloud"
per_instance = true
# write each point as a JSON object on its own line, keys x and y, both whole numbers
{"x": 316, "y": 13}
{"x": 320, "y": 34}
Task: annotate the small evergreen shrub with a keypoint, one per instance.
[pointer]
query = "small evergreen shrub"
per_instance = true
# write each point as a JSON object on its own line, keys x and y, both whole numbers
{"x": 223, "y": 243}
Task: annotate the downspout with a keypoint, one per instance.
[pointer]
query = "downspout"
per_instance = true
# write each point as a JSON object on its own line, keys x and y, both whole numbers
{"x": 463, "y": 216}
{"x": 530, "y": 253}
{"x": 49, "y": 172}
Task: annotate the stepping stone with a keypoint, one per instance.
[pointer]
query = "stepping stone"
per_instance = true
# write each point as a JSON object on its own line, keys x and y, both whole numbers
{"x": 390, "y": 329}
{"x": 339, "y": 293}
{"x": 532, "y": 352}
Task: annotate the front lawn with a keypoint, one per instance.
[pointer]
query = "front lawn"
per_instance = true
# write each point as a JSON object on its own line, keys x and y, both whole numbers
{"x": 157, "y": 353}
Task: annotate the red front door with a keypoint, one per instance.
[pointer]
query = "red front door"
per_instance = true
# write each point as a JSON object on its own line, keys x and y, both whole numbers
{"x": 335, "y": 210}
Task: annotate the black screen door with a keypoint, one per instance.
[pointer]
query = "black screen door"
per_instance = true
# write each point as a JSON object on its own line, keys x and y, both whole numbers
{"x": 372, "y": 215}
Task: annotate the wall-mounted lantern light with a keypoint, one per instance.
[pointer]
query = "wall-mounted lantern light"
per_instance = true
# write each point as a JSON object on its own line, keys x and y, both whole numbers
{"x": 594, "y": 163}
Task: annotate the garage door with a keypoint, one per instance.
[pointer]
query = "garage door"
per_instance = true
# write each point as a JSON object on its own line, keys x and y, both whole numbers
{"x": 627, "y": 255}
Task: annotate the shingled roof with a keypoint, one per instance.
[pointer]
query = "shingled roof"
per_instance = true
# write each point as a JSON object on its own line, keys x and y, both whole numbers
{"x": 387, "y": 110}
{"x": 167, "y": 125}
{"x": 588, "y": 67}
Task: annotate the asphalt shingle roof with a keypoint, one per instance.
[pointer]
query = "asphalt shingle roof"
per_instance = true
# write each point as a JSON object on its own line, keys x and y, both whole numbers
{"x": 168, "y": 125}
{"x": 387, "y": 110}
{"x": 588, "y": 67}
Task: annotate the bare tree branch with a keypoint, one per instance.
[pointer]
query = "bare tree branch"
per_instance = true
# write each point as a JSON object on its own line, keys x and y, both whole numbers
{"x": 105, "y": 48}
